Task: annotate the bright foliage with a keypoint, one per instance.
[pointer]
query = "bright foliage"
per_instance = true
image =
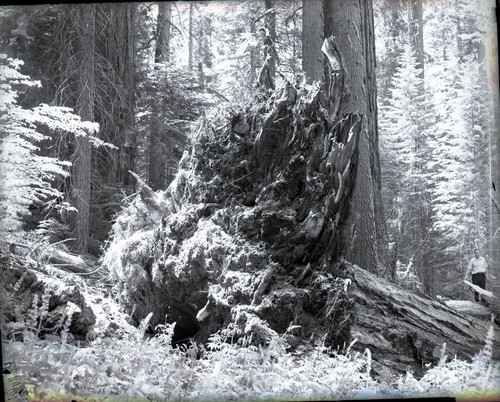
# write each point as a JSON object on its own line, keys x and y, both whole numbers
{"x": 26, "y": 175}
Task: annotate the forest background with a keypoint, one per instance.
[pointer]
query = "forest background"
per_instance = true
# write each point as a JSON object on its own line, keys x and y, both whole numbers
{"x": 92, "y": 93}
{"x": 155, "y": 76}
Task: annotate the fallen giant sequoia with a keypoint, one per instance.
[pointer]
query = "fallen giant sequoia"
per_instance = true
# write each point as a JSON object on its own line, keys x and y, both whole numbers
{"x": 405, "y": 330}
{"x": 248, "y": 240}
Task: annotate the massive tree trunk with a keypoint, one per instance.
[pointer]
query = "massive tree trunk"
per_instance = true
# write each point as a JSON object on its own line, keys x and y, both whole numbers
{"x": 312, "y": 38}
{"x": 81, "y": 177}
{"x": 375, "y": 169}
{"x": 114, "y": 109}
{"x": 495, "y": 186}
{"x": 121, "y": 53}
{"x": 351, "y": 24}
{"x": 406, "y": 330}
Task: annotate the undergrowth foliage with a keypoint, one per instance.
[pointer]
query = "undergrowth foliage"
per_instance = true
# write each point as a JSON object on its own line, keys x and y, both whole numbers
{"x": 136, "y": 367}
{"x": 139, "y": 367}
{"x": 27, "y": 176}
{"x": 482, "y": 373}
{"x": 126, "y": 363}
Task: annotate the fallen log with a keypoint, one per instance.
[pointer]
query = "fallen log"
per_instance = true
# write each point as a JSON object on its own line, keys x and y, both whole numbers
{"x": 67, "y": 261}
{"x": 405, "y": 330}
{"x": 482, "y": 291}
{"x": 470, "y": 308}
{"x": 492, "y": 302}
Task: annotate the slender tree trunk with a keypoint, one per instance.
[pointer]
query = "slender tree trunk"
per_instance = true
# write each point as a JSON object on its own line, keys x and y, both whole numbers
{"x": 81, "y": 178}
{"x": 131, "y": 136}
{"x": 271, "y": 26}
{"x": 312, "y": 39}
{"x": 294, "y": 47}
{"x": 163, "y": 29}
{"x": 201, "y": 51}
{"x": 395, "y": 28}
{"x": 416, "y": 32}
{"x": 420, "y": 190}
{"x": 495, "y": 188}
{"x": 125, "y": 25}
{"x": 494, "y": 149}
{"x": 156, "y": 157}
{"x": 191, "y": 11}
{"x": 253, "y": 56}
{"x": 351, "y": 24}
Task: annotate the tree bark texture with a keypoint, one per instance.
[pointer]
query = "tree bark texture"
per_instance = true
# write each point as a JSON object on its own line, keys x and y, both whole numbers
{"x": 405, "y": 330}
{"x": 352, "y": 27}
{"x": 120, "y": 52}
{"x": 129, "y": 151}
{"x": 376, "y": 174}
{"x": 312, "y": 38}
{"x": 156, "y": 150}
{"x": 163, "y": 30}
{"x": 496, "y": 104}
{"x": 81, "y": 177}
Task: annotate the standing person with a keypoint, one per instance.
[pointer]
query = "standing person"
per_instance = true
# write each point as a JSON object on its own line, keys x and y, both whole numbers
{"x": 477, "y": 267}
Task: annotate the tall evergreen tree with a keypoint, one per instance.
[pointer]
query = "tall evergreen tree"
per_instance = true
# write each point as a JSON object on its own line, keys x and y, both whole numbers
{"x": 312, "y": 38}
{"x": 351, "y": 24}
{"x": 402, "y": 159}
{"x": 163, "y": 32}
{"x": 84, "y": 21}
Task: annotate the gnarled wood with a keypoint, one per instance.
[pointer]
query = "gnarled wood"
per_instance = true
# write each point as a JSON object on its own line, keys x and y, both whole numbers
{"x": 148, "y": 196}
{"x": 254, "y": 242}
{"x": 405, "y": 330}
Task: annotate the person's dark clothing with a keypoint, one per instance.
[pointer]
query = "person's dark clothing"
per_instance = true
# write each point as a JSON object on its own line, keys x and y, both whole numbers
{"x": 479, "y": 279}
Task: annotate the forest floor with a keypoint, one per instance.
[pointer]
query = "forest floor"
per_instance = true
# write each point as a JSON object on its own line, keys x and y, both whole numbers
{"x": 117, "y": 361}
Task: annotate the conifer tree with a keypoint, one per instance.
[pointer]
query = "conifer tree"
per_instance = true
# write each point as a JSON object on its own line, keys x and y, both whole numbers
{"x": 27, "y": 176}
